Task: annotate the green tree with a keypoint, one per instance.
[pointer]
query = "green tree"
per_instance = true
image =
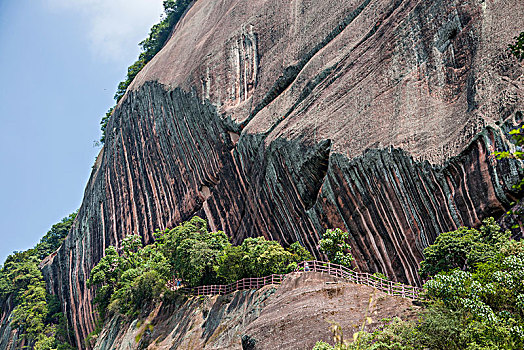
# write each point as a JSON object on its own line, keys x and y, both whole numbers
{"x": 130, "y": 282}
{"x": 104, "y": 121}
{"x": 517, "y": 48}
{"x": 131, "y": 279}
{"x": 463, "y": 248}
{"x": 36, "y": 318}
{"x": 192, "y": 251}
{"x": 334, "y": 245}
{"x": 105, "y": 276}
{"x": 487, "y": 300}
{"x": 21, "y": 278}
{"x": 143, "y": 280}
{"x": 31, "y": 310}
{"x": 258, "y": 257}
{"x": 55, "y": 236}
{"x": 299, "y": 252}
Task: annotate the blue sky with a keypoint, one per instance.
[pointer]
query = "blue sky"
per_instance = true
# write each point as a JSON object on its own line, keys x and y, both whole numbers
{"x": 60, "y": 63}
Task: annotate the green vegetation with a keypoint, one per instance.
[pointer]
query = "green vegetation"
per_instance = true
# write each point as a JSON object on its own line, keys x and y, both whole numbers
{"x": 192, "y": 251}
{"x": 129, "y": 281}
{"x": 132, "y": 280}
{"x": 517, "y": 48}
{"x": 463, "y": 249}
{"x": 103, "y": 123}
{"x": 475, "y": 299}
{"x": 518, "y": 138}
{"x": 36, "y": 313}
{"x": 257, "y": 257}
{"x": 334, "y": 245}
{"x": 158, "y": 35}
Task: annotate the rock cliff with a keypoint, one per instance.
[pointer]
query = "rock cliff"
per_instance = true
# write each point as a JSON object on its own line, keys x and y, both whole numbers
{"x": 284, "y": 118}
{"x": 291, "y": 316}
{"x": 8, "y": 336}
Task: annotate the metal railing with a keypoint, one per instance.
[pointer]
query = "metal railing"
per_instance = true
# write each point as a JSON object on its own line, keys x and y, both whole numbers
{"x": 244, "y": 283}
{"x": 389, "y": 287}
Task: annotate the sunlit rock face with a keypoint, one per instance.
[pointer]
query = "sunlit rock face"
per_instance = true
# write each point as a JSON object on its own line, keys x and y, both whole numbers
{"x": 284, "y": 118}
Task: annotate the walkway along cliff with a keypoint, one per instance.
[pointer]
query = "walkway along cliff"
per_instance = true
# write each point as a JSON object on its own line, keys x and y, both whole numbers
{"x": 338, "y": 271}
{"x": 284, "y": 118}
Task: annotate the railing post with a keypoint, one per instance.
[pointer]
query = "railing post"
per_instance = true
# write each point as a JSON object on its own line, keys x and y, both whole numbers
{"x": 389, "y": 287}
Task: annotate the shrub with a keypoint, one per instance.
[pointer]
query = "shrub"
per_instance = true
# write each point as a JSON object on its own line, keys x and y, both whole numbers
{"x": 36, "y": 314}
{"x": 132, "y": 280}
{"x": 192, "y": 251}
{"x": 517, "y": 48}
{"x": 320, "y": 345}
{"x": 463, "y": 248}
{"x": 334, "y": 245}
{"x": 258, "y": 257}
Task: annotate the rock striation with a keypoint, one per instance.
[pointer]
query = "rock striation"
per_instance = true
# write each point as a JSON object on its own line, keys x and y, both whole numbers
{"x": 8, "y": 336}
{"x": 284, "y": 118}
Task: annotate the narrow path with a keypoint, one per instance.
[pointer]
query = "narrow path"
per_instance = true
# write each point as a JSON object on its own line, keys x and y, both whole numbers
{"x": 389, "y": 287}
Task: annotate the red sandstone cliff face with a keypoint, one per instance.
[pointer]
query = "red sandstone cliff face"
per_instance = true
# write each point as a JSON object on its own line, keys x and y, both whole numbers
{"x": 283, "y": 118}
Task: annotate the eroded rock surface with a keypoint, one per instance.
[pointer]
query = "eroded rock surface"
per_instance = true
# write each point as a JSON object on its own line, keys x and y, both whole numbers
{"x": 8, "y": 336}
{"x": 284, "y": 118}
{"x": 291, "y": 316}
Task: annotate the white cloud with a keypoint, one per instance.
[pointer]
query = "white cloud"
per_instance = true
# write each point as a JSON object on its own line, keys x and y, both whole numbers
{"x": 115, "y": 27}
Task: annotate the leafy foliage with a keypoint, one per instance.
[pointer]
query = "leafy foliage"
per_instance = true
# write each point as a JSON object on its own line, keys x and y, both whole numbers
{"x": 463, "y": 249}
{"x": 257, "y": 257}
{"x": 489, "y": 299}
{"x": 518, "y": 138}
{"x": 475, "y": 299}
{"x": 55, "y": 236}
{"x": 321, "y": 345}
{"x": 103, "y": 123}
{"x": 334, "y": 245}
{"x": 32, "y": 309}
{"x": 130, "y": 280}
{"x": 36, "y": 313}
{"x": 517, "y": 48}
{"x": 150, "y": 46}
{"x": 193, "y": 251}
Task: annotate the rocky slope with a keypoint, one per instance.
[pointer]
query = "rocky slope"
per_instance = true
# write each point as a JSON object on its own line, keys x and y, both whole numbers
{"x": 291, "y": 316}
{"x": 283, "y": 118}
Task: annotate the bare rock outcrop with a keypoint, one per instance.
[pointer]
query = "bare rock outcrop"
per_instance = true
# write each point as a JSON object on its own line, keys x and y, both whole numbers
{"x": 294, "y": 315}
{"x": 284, "y": 118}
{"x": 8, "y": 336}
